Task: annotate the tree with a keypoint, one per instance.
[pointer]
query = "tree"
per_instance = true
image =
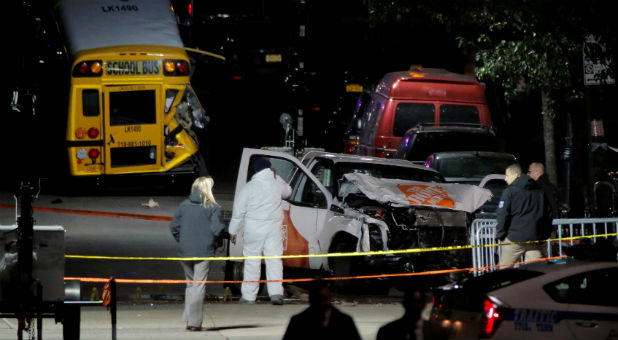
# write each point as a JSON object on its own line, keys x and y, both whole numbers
{"x": 527, "y": 47}
{"x": 525, "y": 52}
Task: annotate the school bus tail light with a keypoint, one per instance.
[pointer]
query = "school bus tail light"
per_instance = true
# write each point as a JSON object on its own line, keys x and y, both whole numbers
{"x": 93, "y": 153}
{"x": 80, "y": 133}
{"x": 88, "y": 68}
{"x": 174, "y": 67}
{"x": 93, "y": 132}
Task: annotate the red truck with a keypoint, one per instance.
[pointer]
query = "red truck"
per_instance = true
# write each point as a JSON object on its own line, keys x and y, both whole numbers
{"x": 405, "y": 99}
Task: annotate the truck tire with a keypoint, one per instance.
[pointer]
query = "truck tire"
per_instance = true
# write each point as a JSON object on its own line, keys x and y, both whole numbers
{"x": 233, "y": 272}
{"x": 342, "y": 266}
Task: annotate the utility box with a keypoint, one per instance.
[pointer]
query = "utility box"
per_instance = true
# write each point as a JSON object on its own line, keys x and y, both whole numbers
{"x": 47, "y": 262}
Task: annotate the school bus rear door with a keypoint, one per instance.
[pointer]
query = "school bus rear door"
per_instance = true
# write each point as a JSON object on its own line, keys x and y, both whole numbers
{"x": 132, "y": 129}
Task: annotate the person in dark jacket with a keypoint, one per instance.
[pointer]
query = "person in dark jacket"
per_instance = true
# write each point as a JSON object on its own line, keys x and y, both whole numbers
{"x": 321, "y": 320}
{"x": 196, "y": 224}
{"x": 410, "y": 326}
{"x": 536, "y": 171}
{"x": 523, "y": 215}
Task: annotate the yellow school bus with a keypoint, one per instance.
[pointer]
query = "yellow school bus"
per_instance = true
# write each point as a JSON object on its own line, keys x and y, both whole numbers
{"x": 132, "y": 109}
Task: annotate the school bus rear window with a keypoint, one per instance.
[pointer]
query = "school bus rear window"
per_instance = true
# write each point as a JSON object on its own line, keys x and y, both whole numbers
{"x": 90, "y": 103}
{"x": 132, "y": 107}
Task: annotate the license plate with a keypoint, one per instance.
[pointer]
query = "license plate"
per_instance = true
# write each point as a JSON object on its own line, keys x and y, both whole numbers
{"x": 132, "y": 67}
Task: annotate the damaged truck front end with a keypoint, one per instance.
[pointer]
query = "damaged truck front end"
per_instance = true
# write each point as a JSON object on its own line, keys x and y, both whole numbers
{"x": 419, "y": 230}
{"x": 424, "y": 237}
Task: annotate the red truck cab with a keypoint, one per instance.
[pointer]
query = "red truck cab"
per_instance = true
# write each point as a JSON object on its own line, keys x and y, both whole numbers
{"x": 405, "y": 99}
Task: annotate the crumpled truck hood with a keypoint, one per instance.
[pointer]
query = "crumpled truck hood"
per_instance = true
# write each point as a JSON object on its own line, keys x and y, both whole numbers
{"x": 402, "y": 193}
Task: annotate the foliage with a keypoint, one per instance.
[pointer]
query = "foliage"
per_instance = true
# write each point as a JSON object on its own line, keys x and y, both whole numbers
{"x": 530, "y": 45}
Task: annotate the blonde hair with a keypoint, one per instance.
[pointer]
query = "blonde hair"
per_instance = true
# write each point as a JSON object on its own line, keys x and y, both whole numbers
{"x": 204, "y": 185}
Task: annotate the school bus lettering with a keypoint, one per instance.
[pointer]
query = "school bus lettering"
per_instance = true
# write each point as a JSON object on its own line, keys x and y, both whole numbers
{"x": 123, "y": 8}
{"x": 133, "y": 128}
{"x": 134, "y": 143}
{"x": 151, "y": 66}
{"x": 132, "y": 67}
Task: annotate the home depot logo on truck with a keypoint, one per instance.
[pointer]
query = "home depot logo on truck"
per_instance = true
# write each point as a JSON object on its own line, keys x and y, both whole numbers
{"x": 407, "y": 98}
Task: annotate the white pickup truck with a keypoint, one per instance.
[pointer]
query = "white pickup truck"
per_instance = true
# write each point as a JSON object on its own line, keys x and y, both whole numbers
{"x": 347, "y": 203}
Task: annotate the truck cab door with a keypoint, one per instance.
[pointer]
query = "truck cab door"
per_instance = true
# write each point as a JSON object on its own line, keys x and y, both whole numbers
{"x": 302, "y": 210}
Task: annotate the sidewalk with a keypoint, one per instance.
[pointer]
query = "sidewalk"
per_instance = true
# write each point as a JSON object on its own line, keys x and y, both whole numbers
{"x": 261, "y": 321}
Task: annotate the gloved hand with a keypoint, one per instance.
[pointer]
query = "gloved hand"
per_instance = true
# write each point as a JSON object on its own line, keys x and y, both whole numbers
{"x": 233, "y": 239}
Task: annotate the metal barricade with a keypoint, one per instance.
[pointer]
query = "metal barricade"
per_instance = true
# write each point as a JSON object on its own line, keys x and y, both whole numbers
{"x": 571, "y": 227}
{"x": 483, "y": 234}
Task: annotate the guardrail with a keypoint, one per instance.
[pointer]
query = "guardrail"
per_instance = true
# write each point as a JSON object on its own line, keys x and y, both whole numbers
{"x": 487, "y": 251}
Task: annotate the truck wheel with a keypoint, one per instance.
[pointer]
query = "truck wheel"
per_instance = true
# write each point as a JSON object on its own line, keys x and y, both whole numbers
{"x": 342, "y": 266}
{"x": 70, "y": 322}
{"x": 234, "y": 272}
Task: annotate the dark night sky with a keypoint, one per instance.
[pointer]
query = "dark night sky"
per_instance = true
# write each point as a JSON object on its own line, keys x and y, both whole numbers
{"x": 340, "y": 45}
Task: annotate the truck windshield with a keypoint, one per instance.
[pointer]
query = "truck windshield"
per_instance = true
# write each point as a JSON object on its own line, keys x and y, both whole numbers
{"x": 387, "y": 171}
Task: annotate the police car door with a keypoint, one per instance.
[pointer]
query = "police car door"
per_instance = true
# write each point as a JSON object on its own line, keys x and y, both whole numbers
{"x": 593, "y": 303}
{"x": 302, "y": 210}
{"x": 132, "y": 134}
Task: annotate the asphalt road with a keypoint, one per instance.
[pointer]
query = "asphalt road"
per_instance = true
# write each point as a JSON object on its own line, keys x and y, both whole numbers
{"x": 129, "y": 223}
{"x": 126, "y": 231}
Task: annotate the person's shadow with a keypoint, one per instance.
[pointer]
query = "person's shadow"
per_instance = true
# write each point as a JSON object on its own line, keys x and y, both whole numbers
{"x": 321, "y": 320}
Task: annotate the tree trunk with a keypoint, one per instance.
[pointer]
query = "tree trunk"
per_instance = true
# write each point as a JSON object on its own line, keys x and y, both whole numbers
{"x": 548, "y": 137}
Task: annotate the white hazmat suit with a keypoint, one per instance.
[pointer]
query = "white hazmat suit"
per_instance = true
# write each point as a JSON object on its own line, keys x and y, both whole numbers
{"x": 258, "y": 205}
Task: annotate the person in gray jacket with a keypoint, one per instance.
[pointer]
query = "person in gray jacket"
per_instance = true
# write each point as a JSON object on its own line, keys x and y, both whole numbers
{"x": 196, "y": 224}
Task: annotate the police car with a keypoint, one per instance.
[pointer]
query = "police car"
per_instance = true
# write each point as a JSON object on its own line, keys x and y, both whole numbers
{"x": 564, "y": 299}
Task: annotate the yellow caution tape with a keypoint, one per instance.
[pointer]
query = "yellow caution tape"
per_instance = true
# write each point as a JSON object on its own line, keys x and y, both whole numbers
{"x": 366, "y": 253}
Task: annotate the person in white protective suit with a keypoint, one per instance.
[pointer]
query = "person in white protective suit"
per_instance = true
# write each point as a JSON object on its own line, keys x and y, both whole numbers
{"x": 258, "y": 206}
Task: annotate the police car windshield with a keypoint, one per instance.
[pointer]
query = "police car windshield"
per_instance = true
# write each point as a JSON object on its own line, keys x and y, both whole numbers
{"x": 499, "y": 279}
